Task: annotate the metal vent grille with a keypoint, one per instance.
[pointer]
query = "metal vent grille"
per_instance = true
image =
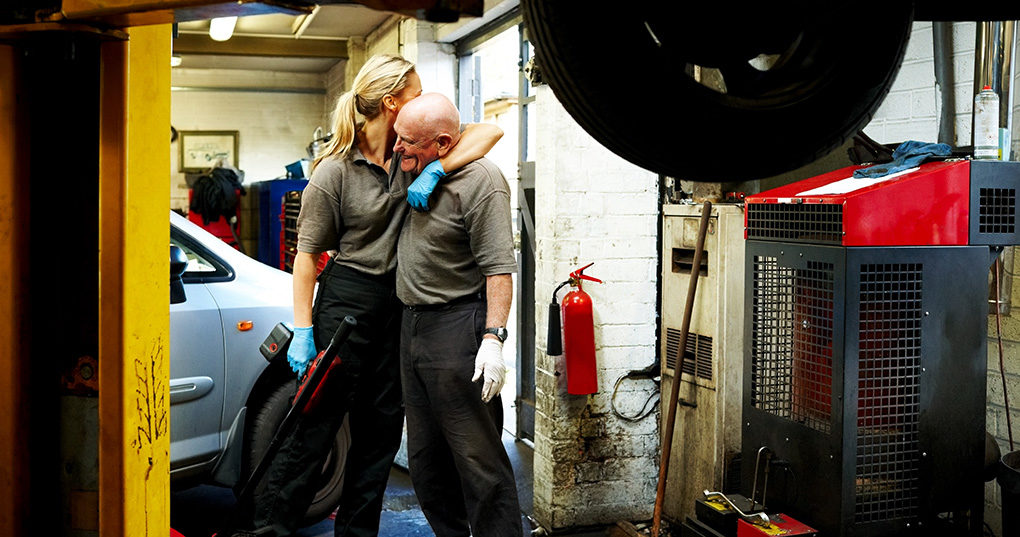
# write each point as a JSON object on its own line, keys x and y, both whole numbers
{"x": 997, "y": 208}
{"x": 801, "y": 222}
{"x": 791, "y": 341}
{"x": 697, "y": 353}
{"x": 888, "y": 408}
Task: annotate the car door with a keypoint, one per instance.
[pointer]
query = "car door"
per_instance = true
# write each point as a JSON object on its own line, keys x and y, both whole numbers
{"x": 196, "y": 360}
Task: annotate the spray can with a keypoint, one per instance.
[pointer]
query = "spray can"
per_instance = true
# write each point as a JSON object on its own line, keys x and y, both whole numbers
{"x": 986, "y": 124}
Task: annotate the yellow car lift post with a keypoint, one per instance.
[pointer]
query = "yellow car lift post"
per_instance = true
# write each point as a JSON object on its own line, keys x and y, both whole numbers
{"x": 110, "y": 303}
{"x": 84, "y": 254}
{"x": 84, "y": 257}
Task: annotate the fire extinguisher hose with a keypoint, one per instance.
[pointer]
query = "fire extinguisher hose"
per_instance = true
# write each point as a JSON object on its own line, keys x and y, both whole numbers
{"x": 674, "y": 393}
{"x": 553, "y": 339}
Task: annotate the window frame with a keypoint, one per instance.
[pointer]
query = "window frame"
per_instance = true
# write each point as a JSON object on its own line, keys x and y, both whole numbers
{"x": 223, "y": 273}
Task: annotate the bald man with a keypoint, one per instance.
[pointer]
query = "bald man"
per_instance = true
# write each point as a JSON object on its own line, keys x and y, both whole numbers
{"x": 453, "y": 274}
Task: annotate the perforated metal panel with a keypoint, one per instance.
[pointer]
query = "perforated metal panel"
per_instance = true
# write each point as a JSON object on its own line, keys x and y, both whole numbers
{"x": 997, "y": 208}
{"x": 865, "y": 374}
{"x": 791, "y": 341}
{"x": 889, "y": 390}
{"x": 993, "y": 188}
{"x": 797, "y": 222}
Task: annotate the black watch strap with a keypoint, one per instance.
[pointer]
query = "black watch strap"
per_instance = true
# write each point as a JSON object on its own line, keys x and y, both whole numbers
{"x": 498, "y": 331}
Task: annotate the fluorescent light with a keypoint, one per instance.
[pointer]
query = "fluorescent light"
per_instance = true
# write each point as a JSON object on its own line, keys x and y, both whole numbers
{"x": 175, "y": 60}
{"x": 221, "y": 28}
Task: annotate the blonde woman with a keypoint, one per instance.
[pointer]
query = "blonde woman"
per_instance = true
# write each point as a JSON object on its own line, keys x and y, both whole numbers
{"x": 354, "y": 205}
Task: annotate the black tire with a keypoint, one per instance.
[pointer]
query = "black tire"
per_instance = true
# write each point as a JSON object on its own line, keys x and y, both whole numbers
{"x": 623, "y": 71}
{"x": 263, "y": 426}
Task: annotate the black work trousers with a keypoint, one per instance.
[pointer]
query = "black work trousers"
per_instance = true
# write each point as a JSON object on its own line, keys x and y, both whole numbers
{"x": 367, "y": 388}
{"x": 460, "y": 471}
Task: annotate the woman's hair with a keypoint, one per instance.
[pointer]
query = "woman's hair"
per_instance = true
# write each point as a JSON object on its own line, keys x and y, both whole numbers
{"x": 381, "y": 75}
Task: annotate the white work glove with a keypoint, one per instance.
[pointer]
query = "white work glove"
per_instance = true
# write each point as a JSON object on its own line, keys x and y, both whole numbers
{"x": 489, "y": 365}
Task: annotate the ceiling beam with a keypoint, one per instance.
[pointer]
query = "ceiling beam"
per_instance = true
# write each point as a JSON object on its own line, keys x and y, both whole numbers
{"x": 261, "y": 46}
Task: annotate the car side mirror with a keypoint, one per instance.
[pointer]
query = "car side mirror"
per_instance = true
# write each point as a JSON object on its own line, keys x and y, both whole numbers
{"x": 178, "y": 263}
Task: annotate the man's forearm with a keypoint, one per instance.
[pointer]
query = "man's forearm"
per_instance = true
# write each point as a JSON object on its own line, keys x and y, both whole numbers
{"x": 499, "y": 292}
{"x": 475, "y": 142}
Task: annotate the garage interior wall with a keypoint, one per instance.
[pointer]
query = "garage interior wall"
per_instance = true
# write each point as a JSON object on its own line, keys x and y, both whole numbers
{"x": 275, "y": 114}
{"x": 590, "y": 466}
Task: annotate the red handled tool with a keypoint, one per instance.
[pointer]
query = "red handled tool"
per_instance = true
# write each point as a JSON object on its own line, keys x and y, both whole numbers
{"x": 305, "y": 399}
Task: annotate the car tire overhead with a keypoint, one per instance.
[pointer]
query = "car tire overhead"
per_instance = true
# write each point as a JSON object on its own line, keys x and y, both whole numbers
{"x": 263, "y": 426}
{"x": 626, "y": 73}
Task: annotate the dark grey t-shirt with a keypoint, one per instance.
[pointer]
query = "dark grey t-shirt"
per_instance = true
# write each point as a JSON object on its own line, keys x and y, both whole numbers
{"x": 446, "y": 253}
{"x": 354, "y": 207}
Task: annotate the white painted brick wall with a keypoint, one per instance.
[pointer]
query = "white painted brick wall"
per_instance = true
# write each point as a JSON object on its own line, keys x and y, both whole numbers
{"x": 590, "y": 466}
{"x": 273, "y": 128}
{"x": 908, "y": 111}
{"x": 335, "y": 81}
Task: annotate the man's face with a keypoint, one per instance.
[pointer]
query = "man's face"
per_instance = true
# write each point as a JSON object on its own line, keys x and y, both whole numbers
{"x": 416, "y": 144}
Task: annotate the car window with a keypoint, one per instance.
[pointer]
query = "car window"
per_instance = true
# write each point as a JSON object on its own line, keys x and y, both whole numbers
{"x": 203, "y": 265}
{"x": 196, "y": 263}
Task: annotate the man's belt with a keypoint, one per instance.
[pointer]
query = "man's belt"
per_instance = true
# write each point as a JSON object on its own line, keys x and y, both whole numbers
{"x": 477, "y": 296}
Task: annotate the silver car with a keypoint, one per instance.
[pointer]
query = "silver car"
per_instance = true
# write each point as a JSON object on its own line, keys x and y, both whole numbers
{"x": 226, "y": 400}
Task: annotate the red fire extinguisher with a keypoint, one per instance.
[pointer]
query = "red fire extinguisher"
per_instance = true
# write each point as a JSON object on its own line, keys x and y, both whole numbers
{"x": 578, "y": 334}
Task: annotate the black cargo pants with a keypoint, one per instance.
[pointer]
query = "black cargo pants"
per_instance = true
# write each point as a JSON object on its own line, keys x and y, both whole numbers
{"x": 460, "y": 471}
{"x": 367, "y": 388}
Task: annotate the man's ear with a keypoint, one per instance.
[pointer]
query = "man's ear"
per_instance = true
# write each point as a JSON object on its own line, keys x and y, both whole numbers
{"x": 445, "y": 143}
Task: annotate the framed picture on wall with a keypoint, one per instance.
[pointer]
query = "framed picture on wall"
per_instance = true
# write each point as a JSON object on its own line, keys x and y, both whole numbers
{"x": 201, "y": 150}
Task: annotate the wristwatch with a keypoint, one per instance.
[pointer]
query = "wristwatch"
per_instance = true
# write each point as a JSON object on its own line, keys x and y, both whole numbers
{"x": 498, "y": 331}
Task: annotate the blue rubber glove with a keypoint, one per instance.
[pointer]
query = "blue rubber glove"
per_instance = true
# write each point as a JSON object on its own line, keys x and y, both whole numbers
{"x": 419, "y": 191}
{"x": 302, "y": 349}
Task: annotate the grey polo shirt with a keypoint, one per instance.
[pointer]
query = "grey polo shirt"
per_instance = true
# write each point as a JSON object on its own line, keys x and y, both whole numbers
{"x": 354, "y": 207}
{"x": 446, "y": 253}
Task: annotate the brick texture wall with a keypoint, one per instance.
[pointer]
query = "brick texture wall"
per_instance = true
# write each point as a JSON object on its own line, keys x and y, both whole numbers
{"x": 590, "y": 466}
{"x": 911, "y": 109}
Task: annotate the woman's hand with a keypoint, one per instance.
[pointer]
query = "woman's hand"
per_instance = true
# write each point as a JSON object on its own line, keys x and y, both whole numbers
{"x": 419, "y": 191}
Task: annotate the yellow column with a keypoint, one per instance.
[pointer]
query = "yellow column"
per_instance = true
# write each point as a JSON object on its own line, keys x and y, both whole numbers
{"x": 13, "y": 302}
{"x": 134, "y": 400}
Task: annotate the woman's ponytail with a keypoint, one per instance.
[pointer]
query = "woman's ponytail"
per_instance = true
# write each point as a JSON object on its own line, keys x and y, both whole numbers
{"x": 381, "y": 75}
{"x": 345, "y": 126}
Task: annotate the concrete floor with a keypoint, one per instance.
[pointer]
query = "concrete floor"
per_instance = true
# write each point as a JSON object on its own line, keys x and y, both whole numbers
{"x": 195, "y": 512}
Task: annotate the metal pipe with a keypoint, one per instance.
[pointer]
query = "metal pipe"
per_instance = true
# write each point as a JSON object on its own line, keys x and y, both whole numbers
{"x": 942, "y": 46}
{"x": 306, "y": 20}
{"x": 993, "y": 66}
{"x": 674, "y": 393}
{"x": 993, "y": 59}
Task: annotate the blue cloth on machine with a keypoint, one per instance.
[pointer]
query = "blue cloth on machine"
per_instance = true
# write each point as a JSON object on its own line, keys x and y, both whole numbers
{"x": 907, "y": 155}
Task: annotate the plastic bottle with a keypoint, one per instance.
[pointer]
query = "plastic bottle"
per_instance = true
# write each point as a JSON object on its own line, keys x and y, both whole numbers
{"x": 986, "y": 124}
